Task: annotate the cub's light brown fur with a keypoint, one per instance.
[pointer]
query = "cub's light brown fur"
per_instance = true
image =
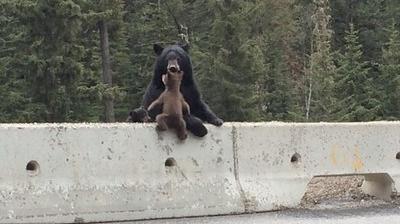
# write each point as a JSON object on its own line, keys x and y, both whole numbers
{"x": 174, "y": 105}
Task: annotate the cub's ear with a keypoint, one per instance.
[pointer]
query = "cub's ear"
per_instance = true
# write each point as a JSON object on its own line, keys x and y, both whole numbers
{"x": 185, "y": 47}
{"x": 157, "y": 49}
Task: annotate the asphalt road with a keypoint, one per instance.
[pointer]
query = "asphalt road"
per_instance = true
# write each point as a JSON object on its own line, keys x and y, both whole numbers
{"x": 337, "y": 214}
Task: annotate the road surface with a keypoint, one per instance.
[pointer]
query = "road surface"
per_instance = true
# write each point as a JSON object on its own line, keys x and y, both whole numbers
{"x": 332, "y": 214}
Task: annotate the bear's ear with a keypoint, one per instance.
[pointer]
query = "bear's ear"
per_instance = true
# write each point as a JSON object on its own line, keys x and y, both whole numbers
{"x": 185, "y": 47}
{"x": 157, "y": 49}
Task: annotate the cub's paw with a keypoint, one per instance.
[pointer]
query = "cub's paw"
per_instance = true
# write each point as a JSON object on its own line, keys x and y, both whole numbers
{"x": 160, "y": 128}
{"x": 217, "y": 122}
{"x": 182, "y": 136}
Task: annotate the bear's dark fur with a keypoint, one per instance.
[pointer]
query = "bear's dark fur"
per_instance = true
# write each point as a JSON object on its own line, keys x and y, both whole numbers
{"x": 199, "y": 110}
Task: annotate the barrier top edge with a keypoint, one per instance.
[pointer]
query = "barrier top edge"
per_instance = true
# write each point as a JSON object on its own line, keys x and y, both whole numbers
{"x": 227, "y": 124}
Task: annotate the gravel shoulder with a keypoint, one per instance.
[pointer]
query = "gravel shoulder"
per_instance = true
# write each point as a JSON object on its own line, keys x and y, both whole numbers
{"x": 343, "y": 191}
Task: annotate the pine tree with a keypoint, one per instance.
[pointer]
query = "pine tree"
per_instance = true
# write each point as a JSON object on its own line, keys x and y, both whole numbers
{"x": 390, "y": 76}
{"x": 14, "y": 103}
{"x": 147, "y": 22}
{"x": 54, "y": 58}
{"x": 235, "y": 62}
{"x": 353, "y": 86}
{"x": 277, "y": 33}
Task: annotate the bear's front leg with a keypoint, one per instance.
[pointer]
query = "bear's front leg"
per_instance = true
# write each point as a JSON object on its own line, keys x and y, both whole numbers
{"x": 195, "y": 125}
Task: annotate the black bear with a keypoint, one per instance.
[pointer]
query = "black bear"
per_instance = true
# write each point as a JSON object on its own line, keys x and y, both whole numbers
{"x": 173, "y": 104}
{"x": 199, "y": 110}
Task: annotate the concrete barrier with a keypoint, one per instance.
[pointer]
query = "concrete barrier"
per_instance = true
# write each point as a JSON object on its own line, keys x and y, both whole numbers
{"x": 108, "y": 172}
{"x": 277, "y": 160}
{"x": 100, "y": 172}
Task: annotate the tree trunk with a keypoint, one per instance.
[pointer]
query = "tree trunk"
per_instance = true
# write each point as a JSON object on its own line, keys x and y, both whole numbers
{"x": 107, "y": 76}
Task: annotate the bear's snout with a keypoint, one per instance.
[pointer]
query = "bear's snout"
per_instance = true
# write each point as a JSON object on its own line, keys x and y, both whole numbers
{"x": 173, "y": 66}
{"x": 173, "y": 69}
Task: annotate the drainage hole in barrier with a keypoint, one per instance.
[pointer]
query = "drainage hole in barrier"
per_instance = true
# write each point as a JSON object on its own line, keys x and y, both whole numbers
{"x": 170, "y": 162}
{"x": 295, "y": 158}
{"x": 32, "y": 167}
{"x": 398, "y": 156}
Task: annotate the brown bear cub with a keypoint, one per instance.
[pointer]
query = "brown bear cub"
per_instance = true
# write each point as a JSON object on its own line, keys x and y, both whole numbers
{"x": 174, "y": 105}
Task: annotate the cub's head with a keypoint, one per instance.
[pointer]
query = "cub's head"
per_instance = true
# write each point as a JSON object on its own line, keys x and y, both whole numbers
{"x": 172, "y": 80}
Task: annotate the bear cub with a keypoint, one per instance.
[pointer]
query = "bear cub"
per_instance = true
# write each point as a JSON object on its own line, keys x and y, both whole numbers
{"x": 173, "y": 103}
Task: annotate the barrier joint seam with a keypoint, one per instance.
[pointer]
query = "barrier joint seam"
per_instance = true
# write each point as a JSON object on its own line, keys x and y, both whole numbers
{"x": 243, "y": 197}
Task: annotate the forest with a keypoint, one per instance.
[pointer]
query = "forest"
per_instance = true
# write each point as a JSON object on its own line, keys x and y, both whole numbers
{"x": 253, "y": 60}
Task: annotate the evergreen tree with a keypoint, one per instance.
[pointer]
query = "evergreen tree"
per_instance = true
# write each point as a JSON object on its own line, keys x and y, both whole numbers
{"x": 279, "y": 40}
{"x": 250, "y": 54}
{"x": 371, "y": 17}
{"x": 14, "y": 104}
{"x": 54, "y": 58}
{"x": 147, "y": 22}
{"x": 353, "y": 86}
{"x": 390, "y": 76}
{"x": 234, "y": 64}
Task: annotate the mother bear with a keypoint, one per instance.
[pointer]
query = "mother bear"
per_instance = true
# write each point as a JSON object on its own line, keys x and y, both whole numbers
{"x": 199, "y": 110}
